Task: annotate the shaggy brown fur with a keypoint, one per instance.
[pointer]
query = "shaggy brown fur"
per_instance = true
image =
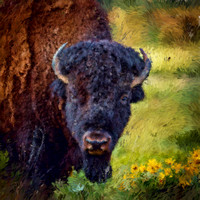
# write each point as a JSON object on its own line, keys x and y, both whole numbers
{"x": 30, "y": 33}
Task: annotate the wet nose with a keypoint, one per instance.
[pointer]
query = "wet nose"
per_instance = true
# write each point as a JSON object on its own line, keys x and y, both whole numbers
{"x": 96, "y": 143}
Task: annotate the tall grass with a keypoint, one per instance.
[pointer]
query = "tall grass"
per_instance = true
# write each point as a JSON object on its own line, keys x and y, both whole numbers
{"x": 172, "y": 26}
{"x": 158, "y": 121}
{"x": 170, "y": 36}
{"x": 176, "y": 60}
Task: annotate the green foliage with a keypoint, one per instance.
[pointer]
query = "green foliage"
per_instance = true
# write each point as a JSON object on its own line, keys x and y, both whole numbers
{"x": 3, "y": 159}
{"x": 189, "y": 140}
{"x": 79, "y": 187}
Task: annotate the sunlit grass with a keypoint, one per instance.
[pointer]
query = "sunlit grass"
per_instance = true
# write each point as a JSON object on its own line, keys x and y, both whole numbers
{"x": 157, "y": 122}
{"x": 165, "y": 26}
{"x": 168, "y": 36}
{"x": 128, "y": 27}
{"x": 175, "y": 60}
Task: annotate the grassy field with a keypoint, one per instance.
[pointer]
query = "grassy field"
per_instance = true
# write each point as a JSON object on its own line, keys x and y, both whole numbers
{"x": 167, "y": 123}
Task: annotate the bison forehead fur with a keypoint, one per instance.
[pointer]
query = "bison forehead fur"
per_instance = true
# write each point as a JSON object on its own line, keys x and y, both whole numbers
{"x": 101, "y": 66}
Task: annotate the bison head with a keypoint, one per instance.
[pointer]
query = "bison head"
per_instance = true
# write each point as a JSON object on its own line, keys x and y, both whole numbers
{"x": 99, "y": 80}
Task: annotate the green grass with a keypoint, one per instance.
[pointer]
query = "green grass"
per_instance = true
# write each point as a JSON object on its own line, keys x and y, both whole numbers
{"x": 167, "y": 111}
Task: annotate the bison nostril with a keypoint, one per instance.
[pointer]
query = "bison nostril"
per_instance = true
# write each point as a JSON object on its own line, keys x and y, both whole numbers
{"x": 96, "y": 143}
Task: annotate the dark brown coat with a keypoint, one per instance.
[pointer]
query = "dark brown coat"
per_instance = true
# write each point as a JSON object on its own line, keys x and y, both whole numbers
{"x": 30, "y": 33}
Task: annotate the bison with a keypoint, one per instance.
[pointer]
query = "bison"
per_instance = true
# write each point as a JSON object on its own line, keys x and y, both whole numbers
{"x": 73, "y": 113}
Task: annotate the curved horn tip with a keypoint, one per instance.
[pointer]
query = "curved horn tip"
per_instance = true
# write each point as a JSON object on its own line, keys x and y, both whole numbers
{"x": 56, "y": 54}
{"x": 141, "y": 50}
{"x": 144, "y": 54}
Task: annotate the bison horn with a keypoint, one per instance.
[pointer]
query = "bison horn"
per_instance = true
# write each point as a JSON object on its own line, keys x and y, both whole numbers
{"x": 145, "y": 72}
{"x": 55, "y": 64}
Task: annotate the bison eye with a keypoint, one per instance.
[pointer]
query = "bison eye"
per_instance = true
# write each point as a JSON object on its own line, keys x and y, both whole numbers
{"x": 124, "y": 99}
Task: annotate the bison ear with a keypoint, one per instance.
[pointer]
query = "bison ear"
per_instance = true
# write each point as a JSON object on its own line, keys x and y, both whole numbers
{"x": 137, "y": 94}
{"x": 59, "y": 88}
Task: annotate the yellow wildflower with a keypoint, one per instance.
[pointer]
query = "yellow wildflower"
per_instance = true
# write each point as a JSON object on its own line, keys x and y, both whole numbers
{"x": 170, "y": 161}
{"x": 197, "y": 161}
{"x": 153, "y": 166}
{"x": 134, "y": 168}
{"x": 190, "y": 170}
{"x": 151, "y": 169}
{"x": 161, "y": 176}
{"x": 196, "y": 153}
{"x": 184, "y": 181}
{"x": 196, "y": 157}
{"x": 177, "y": 167}
{"x": 142, "y": 168}
{"x": 124, "y": 177}
{"x": 132, "y": 176}
{"x": 168, "y": 172}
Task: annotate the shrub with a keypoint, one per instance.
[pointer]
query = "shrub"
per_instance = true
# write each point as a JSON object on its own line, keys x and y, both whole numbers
{"x": 3, "y": 159}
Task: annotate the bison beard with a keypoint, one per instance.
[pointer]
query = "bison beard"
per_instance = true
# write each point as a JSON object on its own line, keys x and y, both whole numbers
{"x": 97, "y": 169}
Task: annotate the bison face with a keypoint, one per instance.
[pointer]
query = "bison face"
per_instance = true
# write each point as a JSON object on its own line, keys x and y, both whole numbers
{"x": 99, "y": 80}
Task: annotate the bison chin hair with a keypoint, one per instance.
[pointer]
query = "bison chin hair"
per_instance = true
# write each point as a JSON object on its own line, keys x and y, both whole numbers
{"x": 97, "y": 168}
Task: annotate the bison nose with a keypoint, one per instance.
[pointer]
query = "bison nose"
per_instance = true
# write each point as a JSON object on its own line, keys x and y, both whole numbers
{"x": 96, "y": 143}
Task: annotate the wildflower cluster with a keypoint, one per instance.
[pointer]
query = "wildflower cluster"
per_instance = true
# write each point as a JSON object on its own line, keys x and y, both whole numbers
{"x": 159, "y": 174}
